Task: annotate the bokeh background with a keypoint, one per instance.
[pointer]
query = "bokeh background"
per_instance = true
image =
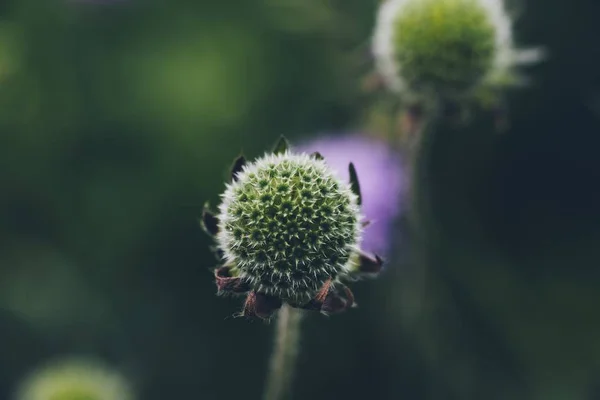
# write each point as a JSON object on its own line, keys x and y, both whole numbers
{"x": 119, "y": 119}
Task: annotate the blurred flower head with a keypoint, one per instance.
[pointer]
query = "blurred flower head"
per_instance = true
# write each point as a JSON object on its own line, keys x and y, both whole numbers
{"x": 74, "y": 379}
{"x": 383, "y": 180}
{"x": 446, "y": 48}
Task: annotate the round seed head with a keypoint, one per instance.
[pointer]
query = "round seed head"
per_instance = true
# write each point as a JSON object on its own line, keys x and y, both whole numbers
{"x": 287, "y": 224}
{"x": 454, "y": 52}
{"x": 444, "y": 47}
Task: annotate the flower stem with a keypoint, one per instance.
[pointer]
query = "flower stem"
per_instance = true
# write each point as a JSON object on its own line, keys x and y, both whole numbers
{"x": 285, "y": 352}
{"x": 419, "y": 156}
{"x": 418, "y": 151}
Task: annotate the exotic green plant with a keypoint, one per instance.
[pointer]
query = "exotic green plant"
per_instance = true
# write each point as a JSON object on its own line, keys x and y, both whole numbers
{"x": 288, "y": 231}
{"x": 454, "y": 53}
{"x": 446, "y": 48}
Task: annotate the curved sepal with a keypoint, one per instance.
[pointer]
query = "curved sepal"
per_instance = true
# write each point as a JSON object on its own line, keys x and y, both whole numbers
{"x": 238, "y": 166}
{"x": 369, "y": 265}
{"x": 227, "y": 283}
{"x": 281, "y": 146}
{"x": 336, "y": 303}
{"x": 354, "y": 182}
{"x": 261, "y": 305}
{"x": 329, "y": 301}
{"x": 317, "y": 156}
{"x": 209, "y": 222}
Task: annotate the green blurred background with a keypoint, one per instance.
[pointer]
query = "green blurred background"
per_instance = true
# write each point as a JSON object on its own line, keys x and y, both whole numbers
{"x": 119, "y": 119}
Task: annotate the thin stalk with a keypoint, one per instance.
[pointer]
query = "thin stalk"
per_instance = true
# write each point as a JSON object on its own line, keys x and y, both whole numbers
{"x": 417, "y": 152}
{"x": 419, "y": 157}
{"x": 285, "y": 352}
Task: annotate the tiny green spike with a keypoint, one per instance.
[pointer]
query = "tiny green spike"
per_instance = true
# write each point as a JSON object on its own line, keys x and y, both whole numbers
{"x": 317, "y": 155}
{"x": 282, "y": 145}
{"x": 354, "y": 182}
{"x": 238, "y": 165}
{"x": 209, "y": 222}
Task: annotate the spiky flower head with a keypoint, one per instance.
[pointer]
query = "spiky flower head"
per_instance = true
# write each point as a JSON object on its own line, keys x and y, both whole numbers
{"x": 288, "y": 230}
{"x": 287, "y": 224}
{"x": 446, "y": 48}
{"x": 74, "y": 379}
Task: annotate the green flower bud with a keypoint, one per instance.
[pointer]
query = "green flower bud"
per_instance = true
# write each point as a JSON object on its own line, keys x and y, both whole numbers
{"x": 445, "y": 48}
{"x": 288, "y": 224}
{"x": 288, "y": 229}
{"x": 74, "y": 379}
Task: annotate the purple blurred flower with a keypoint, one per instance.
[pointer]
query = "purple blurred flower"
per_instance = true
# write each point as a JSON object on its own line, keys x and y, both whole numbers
{"x": 382, "y": 176}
